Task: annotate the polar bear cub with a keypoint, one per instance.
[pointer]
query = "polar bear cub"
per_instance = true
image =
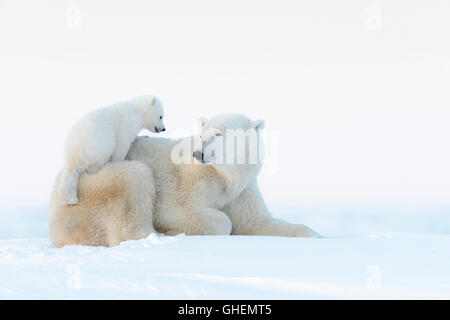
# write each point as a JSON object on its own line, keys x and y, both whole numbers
{"x": 105, "y": 135}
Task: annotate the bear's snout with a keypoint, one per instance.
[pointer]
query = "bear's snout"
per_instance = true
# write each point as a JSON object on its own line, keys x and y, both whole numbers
{"x": 199, "y": 156}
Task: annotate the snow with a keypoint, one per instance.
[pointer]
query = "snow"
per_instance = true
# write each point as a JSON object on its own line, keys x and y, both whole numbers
{"x": 371, "y": 265}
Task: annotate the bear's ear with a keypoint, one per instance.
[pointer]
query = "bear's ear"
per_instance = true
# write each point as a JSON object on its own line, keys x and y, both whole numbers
{"x": 258, "y": 125}
{"x": 216, "y": 132}
{"x": 152, "y": 101}
{"x": 201, "y": 123}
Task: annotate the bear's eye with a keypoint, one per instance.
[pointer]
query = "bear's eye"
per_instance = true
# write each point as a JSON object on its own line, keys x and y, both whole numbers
{"x": 160, "y": 117}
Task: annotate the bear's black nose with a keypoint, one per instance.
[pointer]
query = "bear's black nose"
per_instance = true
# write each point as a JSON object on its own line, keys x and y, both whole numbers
{"x": 164, "y": 129}
{"x": 199, "y": 156}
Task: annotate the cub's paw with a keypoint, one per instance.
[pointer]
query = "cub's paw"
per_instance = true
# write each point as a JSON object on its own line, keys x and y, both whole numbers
{"x": 93, "y": 169}
{"x": 69, "y": 200}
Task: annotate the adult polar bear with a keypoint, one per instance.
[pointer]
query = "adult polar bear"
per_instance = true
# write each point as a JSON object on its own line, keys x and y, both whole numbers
{"x": 130, "y": 199}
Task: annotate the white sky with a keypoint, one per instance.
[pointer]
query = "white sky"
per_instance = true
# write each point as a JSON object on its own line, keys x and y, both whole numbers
{"x": 362, "y": 109}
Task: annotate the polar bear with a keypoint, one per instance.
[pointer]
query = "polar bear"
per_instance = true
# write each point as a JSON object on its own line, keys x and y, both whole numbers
{"x": 154, "y": 191}
{"x": 105, "y": 135}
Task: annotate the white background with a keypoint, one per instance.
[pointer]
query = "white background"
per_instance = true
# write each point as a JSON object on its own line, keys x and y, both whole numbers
{"x": 358, "y": 90}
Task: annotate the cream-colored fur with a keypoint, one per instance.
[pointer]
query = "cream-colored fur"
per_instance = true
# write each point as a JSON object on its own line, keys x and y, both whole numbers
{"x": 197, "y": 199}
{"x": 116, "y": 204}
{"x": 105, "y": 135}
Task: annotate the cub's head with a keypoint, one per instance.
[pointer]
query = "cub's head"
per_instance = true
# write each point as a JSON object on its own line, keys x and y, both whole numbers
{"x": 152, "y": 112}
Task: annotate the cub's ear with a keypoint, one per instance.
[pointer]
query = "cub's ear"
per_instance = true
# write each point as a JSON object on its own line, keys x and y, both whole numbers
{"x": 152, "y": 101}
{"x": 258, "y": 125}
{"x": 201, "y": 124}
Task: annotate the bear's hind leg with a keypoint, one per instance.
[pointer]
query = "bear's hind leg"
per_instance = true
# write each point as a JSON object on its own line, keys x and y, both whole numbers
{"x": 68, "y": 187}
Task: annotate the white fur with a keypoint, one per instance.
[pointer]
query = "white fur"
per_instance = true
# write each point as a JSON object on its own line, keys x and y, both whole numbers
{"x": 105, "y": 135}
{"x": 196, "y": 199}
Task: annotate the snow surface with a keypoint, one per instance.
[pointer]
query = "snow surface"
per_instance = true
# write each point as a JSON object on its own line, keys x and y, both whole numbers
{"x": 378, "y": 265}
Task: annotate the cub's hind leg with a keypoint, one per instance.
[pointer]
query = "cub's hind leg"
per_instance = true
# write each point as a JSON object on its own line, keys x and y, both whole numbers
{"x": 68, "y": 189}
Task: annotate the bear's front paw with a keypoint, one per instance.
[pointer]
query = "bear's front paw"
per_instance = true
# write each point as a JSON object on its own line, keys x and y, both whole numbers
{"x": 305, "y": 232}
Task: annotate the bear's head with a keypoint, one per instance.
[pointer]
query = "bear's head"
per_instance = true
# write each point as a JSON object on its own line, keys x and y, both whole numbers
{"x": 152, "y": 113}
{"x": 230, "y": 142}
